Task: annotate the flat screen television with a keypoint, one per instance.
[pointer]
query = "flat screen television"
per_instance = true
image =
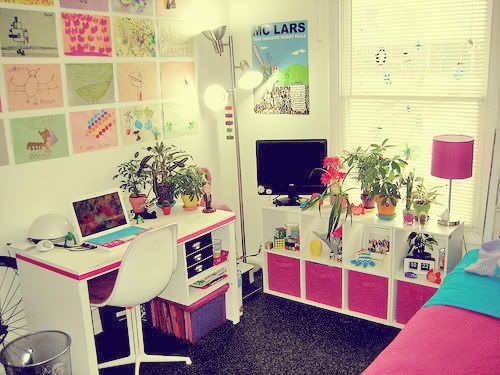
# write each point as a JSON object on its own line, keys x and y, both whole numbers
{"x": 285, "y": 166}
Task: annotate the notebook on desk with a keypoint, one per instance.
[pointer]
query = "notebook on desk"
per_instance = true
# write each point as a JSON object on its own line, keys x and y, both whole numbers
{"x": 103, "y": 221}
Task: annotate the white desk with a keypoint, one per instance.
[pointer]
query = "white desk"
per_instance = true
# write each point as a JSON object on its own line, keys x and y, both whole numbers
{"x": 54, "y": 284}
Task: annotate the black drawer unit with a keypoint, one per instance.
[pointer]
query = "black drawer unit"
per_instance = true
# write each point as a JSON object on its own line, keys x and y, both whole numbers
{"x": 205, "y": 264}
{"x": 198, "y": 256}
{"x": 198, "y": 243}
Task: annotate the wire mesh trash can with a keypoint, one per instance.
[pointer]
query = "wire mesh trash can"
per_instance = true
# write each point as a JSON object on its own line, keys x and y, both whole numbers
{"x": 40, "y": 353}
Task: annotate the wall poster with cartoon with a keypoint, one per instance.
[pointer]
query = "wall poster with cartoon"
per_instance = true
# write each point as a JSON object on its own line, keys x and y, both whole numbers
{"x": 280, "y": 52}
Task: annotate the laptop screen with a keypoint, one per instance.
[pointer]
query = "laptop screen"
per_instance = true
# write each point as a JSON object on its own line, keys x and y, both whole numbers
{"x": 98, "y": 214}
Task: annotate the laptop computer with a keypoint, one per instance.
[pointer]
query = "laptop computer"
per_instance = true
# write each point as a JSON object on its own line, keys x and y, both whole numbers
{"x": 102, "y": 220}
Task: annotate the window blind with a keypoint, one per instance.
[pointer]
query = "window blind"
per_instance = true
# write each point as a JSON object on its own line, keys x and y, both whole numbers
{"x": 413, "y": 70}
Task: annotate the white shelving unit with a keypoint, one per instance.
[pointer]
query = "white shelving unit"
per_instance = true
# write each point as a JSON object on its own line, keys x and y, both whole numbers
{"x": 380, "y": 293}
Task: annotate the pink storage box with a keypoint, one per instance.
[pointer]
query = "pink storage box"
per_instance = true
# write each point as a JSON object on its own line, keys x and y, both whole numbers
{"x": 367, "y": 294}
{"x": 324, "y": 284}
{"x": 283, "y": 274}
{"x": 409, "y": 299}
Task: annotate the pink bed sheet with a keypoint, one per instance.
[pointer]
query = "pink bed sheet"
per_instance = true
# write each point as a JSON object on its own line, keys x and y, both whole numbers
{"x": 443, "y": 340}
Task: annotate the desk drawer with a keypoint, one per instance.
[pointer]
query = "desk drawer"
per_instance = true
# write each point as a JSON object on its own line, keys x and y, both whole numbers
{"x": 198, "y": 256}
{"x": 198, "y": 243}
{"x": 205, "y": 264}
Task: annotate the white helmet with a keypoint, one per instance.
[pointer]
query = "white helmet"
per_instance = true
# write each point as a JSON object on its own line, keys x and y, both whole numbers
{"x": 49, "y": 227}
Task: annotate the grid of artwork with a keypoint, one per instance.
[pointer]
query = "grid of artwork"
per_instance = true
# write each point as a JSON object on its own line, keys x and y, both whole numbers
{"x": 121, "y": 72}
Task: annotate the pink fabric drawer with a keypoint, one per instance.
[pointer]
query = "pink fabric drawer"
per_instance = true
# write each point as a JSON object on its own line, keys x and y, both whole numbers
{"x": 367, "y": 294}
{"x": 324, "y": 284}
{"x": 283, "y": 274}
{"x": 409, "y": 299}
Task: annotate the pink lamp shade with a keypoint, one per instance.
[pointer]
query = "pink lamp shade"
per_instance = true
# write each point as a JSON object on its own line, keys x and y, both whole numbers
{"x": 452, "y": 156}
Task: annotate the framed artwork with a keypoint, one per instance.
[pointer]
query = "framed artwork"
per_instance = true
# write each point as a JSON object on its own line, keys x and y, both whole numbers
{"x": 141, "y": 124}
{"x": 137, "y": 82}
{"x": 98, "y": 5}
{"x": 178, "y": 80}
{"x": 93, "y": 130}
{"x": 86, "y": 35}
{"x": 175, "y": 41}
{"x": 4, "y": 155}
{"x": 26, "y": 33}
{"x": 377, "y": 241}
{"x": 173, "y": 8}
{"x": 90, "y": 84}
{"x": 134, "y": 37}
{"x": 144, "y": 7}
{"x": 39, "y": 138}
{"x": 179, "y": 118}
{"x": 33, "y": 86}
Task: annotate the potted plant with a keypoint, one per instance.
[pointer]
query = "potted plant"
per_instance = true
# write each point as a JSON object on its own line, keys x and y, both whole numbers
{"x": 189, "y": 182}
{"x": 161, "y": 165}
{"x": 386, "y": 184}
{"x": 332, "y": 178}
{"x": 418, "y": 243}
{"x": 423, "y": 197}
{"x": 364, "y": 161}
{"x": 408, "y": 213}
{"x": 133, "y": 180}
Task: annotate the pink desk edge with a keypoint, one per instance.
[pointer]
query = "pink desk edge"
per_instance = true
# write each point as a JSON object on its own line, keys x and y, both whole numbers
{"x": 115, "y": 265}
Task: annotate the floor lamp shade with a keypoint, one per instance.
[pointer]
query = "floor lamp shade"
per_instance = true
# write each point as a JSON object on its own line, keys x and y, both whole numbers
{"x": 452, "y": 156}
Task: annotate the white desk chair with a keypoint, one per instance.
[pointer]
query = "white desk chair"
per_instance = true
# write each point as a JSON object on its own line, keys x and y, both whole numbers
{"x": 145, "y": 271}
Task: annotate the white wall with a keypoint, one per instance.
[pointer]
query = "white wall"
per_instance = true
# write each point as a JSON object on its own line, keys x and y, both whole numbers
{"x": 242, "y": 15}
{"x": 32, "y": 189}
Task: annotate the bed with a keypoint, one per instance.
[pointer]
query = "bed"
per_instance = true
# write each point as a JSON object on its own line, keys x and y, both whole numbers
{"x": 456, "y": 332}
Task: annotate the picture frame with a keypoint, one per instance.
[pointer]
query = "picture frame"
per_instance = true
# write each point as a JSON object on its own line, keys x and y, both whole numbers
{"x": 377, "y": 241}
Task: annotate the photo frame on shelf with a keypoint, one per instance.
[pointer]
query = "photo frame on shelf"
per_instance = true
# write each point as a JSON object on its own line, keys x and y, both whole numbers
{"x": 377, "y": 241}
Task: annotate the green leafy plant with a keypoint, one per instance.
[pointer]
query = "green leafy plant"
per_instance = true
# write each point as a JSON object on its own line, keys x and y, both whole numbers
{"x": 161, "y": 165}
{"x": 133, "y": 179}
{"x": 409, "y": 181}
{"x": 418, "y": 243}
{"x": 386, "y": 174}
{"x": 189, "y": 180}
{"x": 424, "y": 196}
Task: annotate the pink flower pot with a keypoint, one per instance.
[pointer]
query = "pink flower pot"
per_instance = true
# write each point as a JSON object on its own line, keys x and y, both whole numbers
{"x": 166, "y": 210}
{"x": 138, "y": 203}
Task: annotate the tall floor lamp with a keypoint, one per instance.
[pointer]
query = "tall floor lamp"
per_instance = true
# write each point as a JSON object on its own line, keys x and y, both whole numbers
{"x": 216, "y": 98}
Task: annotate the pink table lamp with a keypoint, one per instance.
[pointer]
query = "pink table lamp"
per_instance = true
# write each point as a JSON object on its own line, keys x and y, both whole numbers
{"x": 452, "y": 156}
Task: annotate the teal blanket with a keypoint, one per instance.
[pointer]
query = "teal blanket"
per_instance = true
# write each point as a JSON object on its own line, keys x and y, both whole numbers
{"x": 469, "y": 291}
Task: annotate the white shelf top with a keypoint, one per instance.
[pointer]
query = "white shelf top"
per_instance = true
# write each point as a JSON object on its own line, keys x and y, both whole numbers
{"x": 432, "y": 227}
{"x": 420, "y": 280}
{"x": 81, "y": 265}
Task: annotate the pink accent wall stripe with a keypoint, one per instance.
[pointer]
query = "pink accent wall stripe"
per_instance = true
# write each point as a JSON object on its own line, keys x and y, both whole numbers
{"x": 115, "y": 265}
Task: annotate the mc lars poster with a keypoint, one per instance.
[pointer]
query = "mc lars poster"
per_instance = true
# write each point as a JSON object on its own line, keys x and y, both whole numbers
{"x": 280, "y": 51}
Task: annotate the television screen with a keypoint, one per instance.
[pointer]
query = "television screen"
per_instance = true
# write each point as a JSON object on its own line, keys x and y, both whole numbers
{"x": 282, "y": 163}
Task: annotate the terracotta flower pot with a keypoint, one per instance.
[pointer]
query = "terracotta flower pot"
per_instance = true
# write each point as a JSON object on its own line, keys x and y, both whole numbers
{"x": 190, "y": 204}
{"x": 386, "y": 209}
{"x": 138, "y": 202}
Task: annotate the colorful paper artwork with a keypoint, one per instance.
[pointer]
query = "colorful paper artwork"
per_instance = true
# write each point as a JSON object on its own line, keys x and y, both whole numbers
{"x": 141, "y": 124}
{"x": 33, "y": 86}
{"x": 90, "y": 84}
{"x": 179, "y": 118}
{"x": 47, "y": 3}
{"x": 134, "y": 37}
{"x": 93, "y": 130}
{"x": 175, "y": 41}
{"x": 4, "y": 155}
{"x": 39, "y": 138}
{"x": 173, "y": 8}
{"x": 25, "y": 33}
{"x": 98, "y": 5}
{"x": 137, "y": 82}
{"x": 178, "y": 81}
{"x": 86, "y": 35}
{"x": 133, "y": 6}
{"x": 280, "y": 52}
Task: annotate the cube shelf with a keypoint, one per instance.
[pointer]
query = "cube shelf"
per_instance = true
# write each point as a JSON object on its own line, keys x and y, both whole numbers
{"x": 379, "y": 292}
